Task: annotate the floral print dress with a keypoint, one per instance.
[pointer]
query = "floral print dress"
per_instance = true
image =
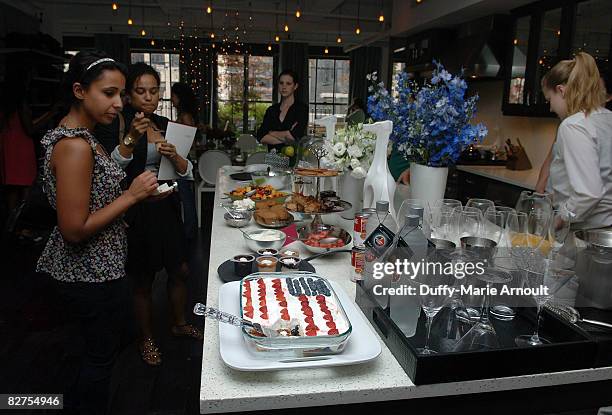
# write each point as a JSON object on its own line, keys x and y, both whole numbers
{"x": 103, "y": 256}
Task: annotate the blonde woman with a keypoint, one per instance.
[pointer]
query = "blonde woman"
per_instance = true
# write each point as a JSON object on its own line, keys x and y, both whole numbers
{"x": 581, "y": 168}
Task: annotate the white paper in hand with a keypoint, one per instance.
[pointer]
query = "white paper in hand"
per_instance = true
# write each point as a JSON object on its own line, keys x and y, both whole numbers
{"x": 182, "y": 137}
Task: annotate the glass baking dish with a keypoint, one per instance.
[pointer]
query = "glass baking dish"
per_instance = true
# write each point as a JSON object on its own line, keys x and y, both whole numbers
{"x": 296, "y": 346}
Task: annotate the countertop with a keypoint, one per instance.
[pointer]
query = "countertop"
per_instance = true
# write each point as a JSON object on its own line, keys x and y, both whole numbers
{"x": 521, "y": 178}
{"x": 227, "y": 390}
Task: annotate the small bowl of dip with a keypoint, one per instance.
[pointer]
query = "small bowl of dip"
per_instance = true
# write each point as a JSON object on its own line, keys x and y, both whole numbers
{"x": 243, "y": 265}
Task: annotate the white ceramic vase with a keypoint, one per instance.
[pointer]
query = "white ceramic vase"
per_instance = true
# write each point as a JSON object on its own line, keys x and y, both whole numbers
{"x": 427, "y": 183}
{"x": 379, "y": 183}
{"x": 351, "y": 190}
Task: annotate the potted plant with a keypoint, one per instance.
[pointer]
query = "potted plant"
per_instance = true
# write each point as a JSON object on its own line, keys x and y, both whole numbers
{"x": 431, "y": 125}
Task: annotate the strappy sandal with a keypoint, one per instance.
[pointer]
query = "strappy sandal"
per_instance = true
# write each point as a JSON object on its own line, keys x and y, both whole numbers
{"x": 149, "y": 352}
{"x": 187, "y": 330}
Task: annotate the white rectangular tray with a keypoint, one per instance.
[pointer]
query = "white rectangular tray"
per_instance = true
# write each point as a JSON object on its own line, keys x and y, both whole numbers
{"x": 362, "y": 346}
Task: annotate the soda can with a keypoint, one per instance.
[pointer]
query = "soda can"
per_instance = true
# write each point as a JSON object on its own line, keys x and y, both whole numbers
{"x": 359, "y": 226}
{"x": 357, "y": 263}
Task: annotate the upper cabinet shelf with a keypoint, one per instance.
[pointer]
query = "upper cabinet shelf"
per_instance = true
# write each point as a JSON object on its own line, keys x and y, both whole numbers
{"x": 545, "y": 33}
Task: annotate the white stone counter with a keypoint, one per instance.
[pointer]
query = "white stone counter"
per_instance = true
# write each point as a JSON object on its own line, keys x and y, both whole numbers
{"x": 521, "y": 178}
{"x": 226, "y": 390}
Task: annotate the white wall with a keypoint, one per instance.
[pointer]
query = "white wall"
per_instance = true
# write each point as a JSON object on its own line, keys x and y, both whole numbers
{"x": 536, "y": 134}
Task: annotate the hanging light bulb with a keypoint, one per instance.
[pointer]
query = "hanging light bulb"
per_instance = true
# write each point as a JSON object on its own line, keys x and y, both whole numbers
{"x": 115, "y": 6}
{"x": 212, "y": 35}
{"x": 277, "y": 38}
{"x": 339, "y": 39}
{"x": 326, "y": 50}
{"x": 381, "y": 17}
{"x": 209, "y": 10}
{"x": 152, "y": 42}
{"x": 269, "y": 47}
{"x": 286, "y": 27}
{"x": 298, "y": 14}
{"x": 143, "y": 32}
{"x": 130, "y": 21}
{"x": 357, "y": 30}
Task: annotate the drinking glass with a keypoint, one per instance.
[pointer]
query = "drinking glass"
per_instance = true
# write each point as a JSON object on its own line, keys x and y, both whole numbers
{"x": 469, "y": 221}
{"x": 482, "y": 334}
{"x": 406, "y": 207}
{"x": 564, "y": 254}
{"x": 444, "y": 224}
{"x": 545, "y": 281}
{"x": 493, "y": 225}
{"x": 432, "y": 291}
{"x": 516, "y": 233}
{"x": 480, "y": 204}
{"x": 533, "y": 201}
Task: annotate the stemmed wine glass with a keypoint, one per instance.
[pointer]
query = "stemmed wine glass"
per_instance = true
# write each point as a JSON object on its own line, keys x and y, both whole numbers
{"x": 545, "y": 282}
{"x": 443, "y": 222}
{"x": 432, "y": 290}
{"x": 469, "y": 221}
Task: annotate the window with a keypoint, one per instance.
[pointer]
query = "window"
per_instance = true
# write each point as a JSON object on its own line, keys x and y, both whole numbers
{"x": 398, "y": 67}
{"x": 167, "y": 64}
{"x": 329, "y": 87}
{"x": 235, "y": 95}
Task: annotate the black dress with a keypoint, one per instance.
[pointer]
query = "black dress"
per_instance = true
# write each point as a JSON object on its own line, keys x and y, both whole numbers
{"x": 297, "y": 115}
{"x": 156, "y": 239}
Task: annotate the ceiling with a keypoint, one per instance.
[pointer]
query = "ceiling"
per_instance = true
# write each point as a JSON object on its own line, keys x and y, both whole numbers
{"x": 254, "y": 21}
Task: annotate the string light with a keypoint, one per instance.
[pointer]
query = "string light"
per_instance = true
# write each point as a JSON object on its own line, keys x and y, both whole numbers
{"x": 209, "y": 7}
{"x": 286, "y": 25}
{"x": 358, "y": 29}
{"x": 130, "y": 21}
{"x": 339, "y": 38}
{"x": 115, "y": 6}
{"x": 298, "y": 12}
{"x": 381, "y": 16}
{"x": 143, "y": 32}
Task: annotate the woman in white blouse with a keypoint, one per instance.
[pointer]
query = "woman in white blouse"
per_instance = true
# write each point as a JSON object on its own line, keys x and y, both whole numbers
{"x": 581, "y": 169}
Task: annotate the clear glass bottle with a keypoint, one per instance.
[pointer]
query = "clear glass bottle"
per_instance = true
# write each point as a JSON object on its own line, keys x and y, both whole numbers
{"x": 412, "y": 246}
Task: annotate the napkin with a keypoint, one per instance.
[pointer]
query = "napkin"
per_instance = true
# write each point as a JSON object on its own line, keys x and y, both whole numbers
{"x": 291, "y": 232}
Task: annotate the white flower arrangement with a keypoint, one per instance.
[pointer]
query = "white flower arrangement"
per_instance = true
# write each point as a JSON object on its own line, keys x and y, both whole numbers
{"x": 352, "y": 149}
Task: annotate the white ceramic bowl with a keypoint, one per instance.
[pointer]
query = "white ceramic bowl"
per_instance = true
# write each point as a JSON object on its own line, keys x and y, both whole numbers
{"x": 277, "y": 239}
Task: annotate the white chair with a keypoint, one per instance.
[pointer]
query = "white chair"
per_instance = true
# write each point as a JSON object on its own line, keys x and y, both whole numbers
{"x": 247, "y": 143}
{"x": 257, "y": 158}
{"x": 209, "y": 164}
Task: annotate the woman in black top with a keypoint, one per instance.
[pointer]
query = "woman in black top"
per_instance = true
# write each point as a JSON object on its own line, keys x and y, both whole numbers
{"x": 156, "y": 239}
{"x": 284, "y": 123}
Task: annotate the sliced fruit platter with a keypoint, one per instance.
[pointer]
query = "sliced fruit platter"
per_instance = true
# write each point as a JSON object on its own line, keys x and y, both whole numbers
{"x": 257, "y": 193}
{"x": 321, "y": 238}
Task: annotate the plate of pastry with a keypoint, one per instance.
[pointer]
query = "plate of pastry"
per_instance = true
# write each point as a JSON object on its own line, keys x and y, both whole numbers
{"x": 272, "y": 214}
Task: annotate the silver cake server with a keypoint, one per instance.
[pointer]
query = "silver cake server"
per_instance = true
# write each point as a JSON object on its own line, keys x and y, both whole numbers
{"x": 211, "y": 312}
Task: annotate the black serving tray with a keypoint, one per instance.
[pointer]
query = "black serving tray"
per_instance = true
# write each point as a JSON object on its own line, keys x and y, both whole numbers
{"x": 570, "y": 348}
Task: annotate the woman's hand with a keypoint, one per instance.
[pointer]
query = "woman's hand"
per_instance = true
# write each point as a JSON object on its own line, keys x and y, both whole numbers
{"x": 168, "y": 150}
{"x": 139, "y": 125}
{"x": 404, "y": 177}
{"x": 143, "y": 186}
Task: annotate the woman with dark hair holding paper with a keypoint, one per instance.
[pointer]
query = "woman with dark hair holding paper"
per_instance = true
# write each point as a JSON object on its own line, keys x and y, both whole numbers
{"x": 156, "y": 239}
{"x": 284, "y": 123}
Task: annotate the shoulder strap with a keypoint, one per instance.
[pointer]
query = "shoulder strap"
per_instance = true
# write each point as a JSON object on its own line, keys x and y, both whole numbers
{"x": 121, "y": 127}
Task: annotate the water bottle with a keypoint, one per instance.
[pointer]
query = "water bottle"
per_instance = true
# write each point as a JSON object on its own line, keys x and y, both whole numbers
{"x": 406, "y": 309}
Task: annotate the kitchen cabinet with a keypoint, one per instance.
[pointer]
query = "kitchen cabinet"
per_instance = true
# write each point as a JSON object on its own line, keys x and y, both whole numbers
{"x": 545, "y": 33}
{"x": 468, "y": 186}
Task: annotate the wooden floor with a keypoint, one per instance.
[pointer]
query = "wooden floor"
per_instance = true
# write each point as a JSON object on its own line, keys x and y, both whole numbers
{"x": 39, "y": 351}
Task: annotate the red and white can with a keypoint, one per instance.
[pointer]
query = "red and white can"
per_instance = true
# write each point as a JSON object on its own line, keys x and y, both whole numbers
{"x": 360, "y": 225}
{"x": 357, "y": 263}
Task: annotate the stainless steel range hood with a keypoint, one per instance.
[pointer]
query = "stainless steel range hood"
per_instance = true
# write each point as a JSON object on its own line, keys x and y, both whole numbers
{"x": 479, "y": 48}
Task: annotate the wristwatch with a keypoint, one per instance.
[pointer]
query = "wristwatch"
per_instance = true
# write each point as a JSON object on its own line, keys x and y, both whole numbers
{"x": 129, "y": 141}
